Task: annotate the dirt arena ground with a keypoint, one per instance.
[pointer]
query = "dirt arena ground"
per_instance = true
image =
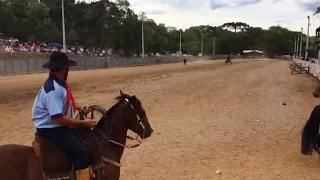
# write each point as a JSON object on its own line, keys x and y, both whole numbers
{"x": 206, "y": 116}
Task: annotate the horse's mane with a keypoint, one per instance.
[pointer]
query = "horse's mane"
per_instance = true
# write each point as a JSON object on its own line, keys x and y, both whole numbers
{"x": 120, "y": 99}
{"x": 111, "y": 110}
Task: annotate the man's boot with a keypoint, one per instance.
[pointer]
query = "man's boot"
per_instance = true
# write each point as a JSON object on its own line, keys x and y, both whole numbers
{"x": 85, "y": 174}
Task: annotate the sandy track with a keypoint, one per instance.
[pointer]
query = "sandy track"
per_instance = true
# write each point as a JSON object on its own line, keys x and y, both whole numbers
{"x": 206, "y": 116}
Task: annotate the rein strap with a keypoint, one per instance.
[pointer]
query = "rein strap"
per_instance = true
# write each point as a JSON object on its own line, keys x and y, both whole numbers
{"x": 111, "y": 162}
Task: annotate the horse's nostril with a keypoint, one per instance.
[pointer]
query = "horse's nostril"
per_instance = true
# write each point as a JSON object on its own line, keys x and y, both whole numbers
{"x": 148, "y": 132}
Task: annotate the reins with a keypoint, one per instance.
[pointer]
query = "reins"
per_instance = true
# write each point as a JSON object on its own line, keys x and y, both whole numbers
{"x": 99, "y": 137}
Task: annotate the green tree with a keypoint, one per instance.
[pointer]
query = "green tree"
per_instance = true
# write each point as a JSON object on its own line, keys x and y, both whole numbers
{"x": 8, "y": 20}
{"x": 72, "y": 37}
{"x": 38, "y": 24}
{"x": 113, "y": 24}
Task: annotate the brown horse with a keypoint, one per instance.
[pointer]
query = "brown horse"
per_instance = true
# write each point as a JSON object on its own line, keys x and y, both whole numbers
{"x": 24, "y": 162}
{"x": 228, "y": 60}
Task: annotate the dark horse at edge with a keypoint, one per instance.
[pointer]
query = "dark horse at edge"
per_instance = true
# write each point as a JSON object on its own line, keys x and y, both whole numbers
{"x": 310, "y": 138}
{"x": 19, "y": 162}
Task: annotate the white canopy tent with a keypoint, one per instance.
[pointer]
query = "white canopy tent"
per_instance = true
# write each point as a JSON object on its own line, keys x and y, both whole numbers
{"x": 250, "y": 51}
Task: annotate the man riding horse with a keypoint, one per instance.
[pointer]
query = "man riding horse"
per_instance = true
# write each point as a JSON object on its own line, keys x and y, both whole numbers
{"x": 53, "y": 113}
{"x": 56, "y": 151}
{"x": 228, "y": 60}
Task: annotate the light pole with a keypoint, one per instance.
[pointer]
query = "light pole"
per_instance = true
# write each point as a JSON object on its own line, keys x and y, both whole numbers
{"x": 142, "y": 40}
{"x": 63, "y": 28}
{"x": 180, "y": 44}
{"x": 295, "y": 48}
{"x": 142, "y": 17}
{"x": 300, "y": 44}
{"x": 201, "y": 43}
{"x": 214, "y": 46}
{"x": 307, "y": 43}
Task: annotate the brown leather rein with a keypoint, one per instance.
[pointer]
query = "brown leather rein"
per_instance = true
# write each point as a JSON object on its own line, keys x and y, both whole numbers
{"x": 139, "y": 121}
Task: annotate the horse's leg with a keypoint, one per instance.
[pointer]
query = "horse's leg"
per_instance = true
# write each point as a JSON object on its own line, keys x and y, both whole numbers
{"x": 110, "y": 172}
{"x": 34, "y": 169}
{"x": 19, "y": 162}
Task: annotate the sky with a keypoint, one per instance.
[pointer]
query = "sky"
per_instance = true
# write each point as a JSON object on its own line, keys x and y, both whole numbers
{"x": 291, "y": 14}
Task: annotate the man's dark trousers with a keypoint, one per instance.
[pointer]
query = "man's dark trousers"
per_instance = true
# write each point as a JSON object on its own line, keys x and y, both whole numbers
{"x": 67, "y": 141}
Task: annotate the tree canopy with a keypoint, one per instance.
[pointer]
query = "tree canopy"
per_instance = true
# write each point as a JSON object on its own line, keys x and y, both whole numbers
{"x": 106, "y": 24}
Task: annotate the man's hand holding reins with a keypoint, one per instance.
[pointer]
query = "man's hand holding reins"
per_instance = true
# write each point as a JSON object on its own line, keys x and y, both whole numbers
{"x": 89, "y": 123}
{"x": 67, "y": 121}
{"x": 84, "y": 108}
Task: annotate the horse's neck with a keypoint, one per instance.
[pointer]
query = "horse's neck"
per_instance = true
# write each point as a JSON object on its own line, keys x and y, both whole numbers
{"x": 120, "y": 137}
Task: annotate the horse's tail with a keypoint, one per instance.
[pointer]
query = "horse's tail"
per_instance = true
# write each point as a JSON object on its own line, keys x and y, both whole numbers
{"x": 310, "y": 132}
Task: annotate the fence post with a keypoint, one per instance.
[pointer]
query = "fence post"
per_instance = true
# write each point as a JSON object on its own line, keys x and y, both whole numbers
{"x": 5, "y": 66}
{"x": 20, "y": 66}
{"x": 28, "y": 66}
{"x": 85, "y": 64}
{"x": 12, "y": 64}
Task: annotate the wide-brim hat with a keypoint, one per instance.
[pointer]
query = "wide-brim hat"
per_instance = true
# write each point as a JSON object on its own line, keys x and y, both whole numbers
{"x": 59, "y": 60}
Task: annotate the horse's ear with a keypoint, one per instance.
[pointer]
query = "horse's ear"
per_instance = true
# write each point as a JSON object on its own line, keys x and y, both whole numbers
{"x": 121, "y": 93}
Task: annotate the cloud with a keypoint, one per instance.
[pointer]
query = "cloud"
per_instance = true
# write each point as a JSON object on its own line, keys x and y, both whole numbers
{"x": 248, "y": 2}
{"x": 156, "y": 12}
{"x": 177, "y": 4}
{"x": 216, "y": 4}
{"x": 280, "y": 21}
{"x": 310, "y": 5}
{"x": 291, "y": 14}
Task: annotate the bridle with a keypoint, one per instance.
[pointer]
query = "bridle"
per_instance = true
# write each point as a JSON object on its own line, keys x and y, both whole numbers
{"x": 139, "y": 121}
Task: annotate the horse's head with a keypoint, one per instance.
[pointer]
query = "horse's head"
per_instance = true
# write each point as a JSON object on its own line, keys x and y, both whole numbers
{"x": 137, "y": 119}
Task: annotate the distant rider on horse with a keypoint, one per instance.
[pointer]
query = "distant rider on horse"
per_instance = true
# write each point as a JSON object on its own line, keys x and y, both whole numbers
{"x": 53, "y": 112}
{"x": 228, "y": 60}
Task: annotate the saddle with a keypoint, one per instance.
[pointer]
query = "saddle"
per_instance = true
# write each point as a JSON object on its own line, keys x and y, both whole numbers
{"x": 54, "y": 163}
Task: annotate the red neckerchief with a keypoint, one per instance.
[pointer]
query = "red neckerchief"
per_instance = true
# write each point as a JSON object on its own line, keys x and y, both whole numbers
{"x": 69, "y": 97}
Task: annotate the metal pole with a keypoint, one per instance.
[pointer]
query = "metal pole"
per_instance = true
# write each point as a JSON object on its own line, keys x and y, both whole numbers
{"x": 307, "y": 43}
{"x": 295, "y": 48}
{"x": 63, "y": 27}
{"x": 214, "y": 46}
{"x": 142, "y": 40}
{"x": 180, "y": 44}
{"x": 201, "y": 43}
{"x": 300, "y": 44}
